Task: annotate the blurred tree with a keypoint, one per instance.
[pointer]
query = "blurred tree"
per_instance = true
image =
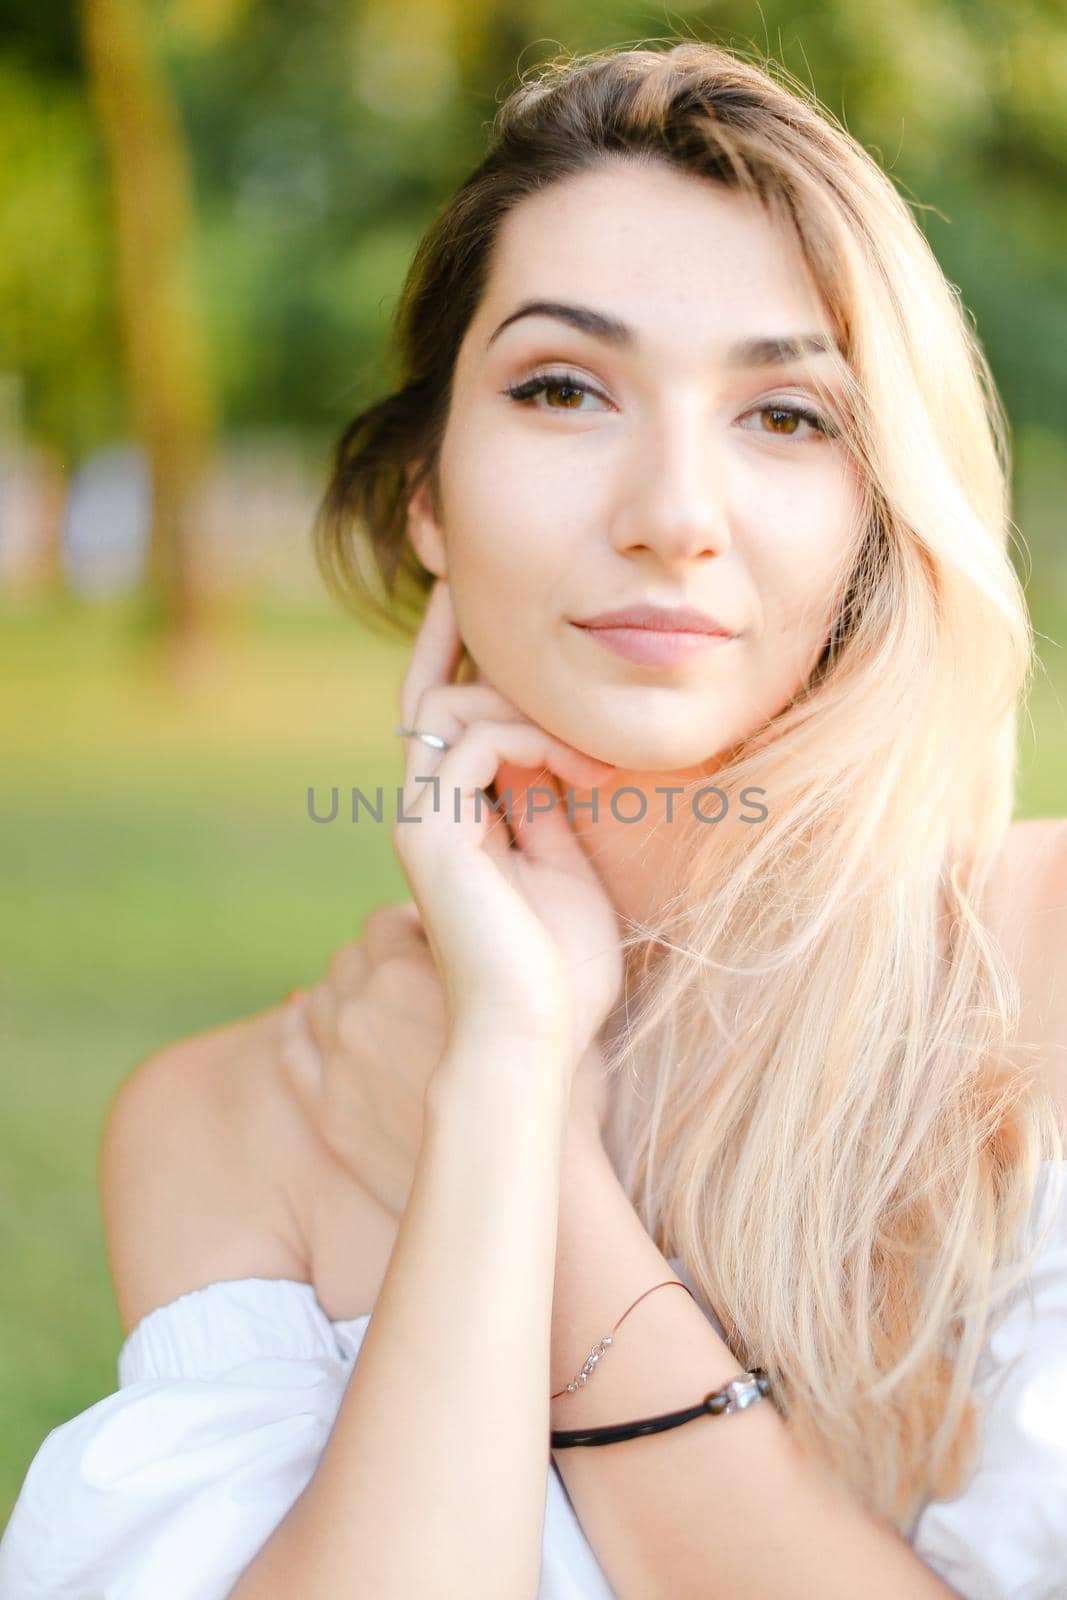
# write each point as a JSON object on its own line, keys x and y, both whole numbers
{"x": 165, "y": 356}
{"x": 57, "y": 330}
{"x": 323, "y": 137}
{"x": 325, "y": 140}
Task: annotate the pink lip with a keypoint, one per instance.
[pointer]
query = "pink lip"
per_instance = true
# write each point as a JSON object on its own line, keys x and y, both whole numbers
{"x": 665, "y": 619}
{"x": 656, "y": 636}
{"x": 655, "y": 647}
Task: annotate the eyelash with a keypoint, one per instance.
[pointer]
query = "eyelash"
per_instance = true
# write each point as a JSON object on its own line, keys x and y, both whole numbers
{"x": 526, "y": 391}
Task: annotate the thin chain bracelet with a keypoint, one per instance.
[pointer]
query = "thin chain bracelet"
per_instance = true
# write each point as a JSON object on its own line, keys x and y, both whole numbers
{"x": 598, "y": 1349}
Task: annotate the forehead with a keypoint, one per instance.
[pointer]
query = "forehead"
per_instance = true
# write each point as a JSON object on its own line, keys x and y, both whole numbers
{"x": 687, "y": 262}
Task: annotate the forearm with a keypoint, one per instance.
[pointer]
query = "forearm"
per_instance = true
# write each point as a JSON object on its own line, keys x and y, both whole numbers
{"x": 433, "y": 1480}
{"x": 723, "y": 1506}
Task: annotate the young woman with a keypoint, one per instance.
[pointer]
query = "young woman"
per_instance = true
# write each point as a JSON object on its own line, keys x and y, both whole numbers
{"x": 759, "y": 991}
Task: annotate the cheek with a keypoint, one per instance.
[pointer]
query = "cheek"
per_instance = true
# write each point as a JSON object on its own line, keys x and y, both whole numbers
{"x": 497, "y": 570}
{"x": 802, "y": 548}
{"x": 514, "y": 487}
{"x": 802, "y": 591}
{"x": 509, "y": 530}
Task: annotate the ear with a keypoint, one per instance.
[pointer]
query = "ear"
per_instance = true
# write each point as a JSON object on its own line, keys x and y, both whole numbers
{"x": 424, "y": 528}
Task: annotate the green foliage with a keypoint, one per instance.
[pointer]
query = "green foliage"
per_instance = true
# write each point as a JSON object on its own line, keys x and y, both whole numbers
{"x": 57, "y": 308}
{"x": 323, "y": 139}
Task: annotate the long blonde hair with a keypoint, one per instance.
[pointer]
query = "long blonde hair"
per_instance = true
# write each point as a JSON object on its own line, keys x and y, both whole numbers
{"x": 834, "y": 1125}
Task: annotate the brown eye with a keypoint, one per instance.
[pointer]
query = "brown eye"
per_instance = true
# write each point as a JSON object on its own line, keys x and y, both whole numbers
{"x": 565, "y": 384}
{"x": 570, "y": 392}
{"x": 784, "y": 420}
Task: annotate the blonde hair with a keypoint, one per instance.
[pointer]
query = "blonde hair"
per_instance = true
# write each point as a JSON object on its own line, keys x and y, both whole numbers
{"x": 834, "y": 1125}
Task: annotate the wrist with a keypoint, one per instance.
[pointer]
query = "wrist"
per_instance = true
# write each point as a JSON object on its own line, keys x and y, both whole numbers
{"x": 511, "y": 1038}
{"x": 482, "y": 1076}
{"x": 475, "y": 1047}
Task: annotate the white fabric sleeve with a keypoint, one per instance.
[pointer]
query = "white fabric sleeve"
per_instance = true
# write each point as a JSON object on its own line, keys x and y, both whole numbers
{"x": 167, "y": 1489}
{"x": 170, "y": 1486}
{"x": 1005, "y": 1536}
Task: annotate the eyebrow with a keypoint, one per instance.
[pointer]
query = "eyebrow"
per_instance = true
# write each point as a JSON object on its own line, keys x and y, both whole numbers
{"x": 772, "y": 351}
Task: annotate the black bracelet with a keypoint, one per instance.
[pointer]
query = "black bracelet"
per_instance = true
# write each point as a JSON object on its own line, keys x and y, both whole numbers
{"x": 733, "y": 1396}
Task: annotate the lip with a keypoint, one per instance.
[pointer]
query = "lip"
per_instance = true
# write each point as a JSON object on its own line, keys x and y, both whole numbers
{"x": 656, "y": 636}
{"x": 660, "y": 619}
{"x": 656, "y": 647}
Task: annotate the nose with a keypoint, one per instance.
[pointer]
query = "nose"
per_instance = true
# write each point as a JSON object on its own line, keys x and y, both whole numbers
{"x": 674, "y": 503}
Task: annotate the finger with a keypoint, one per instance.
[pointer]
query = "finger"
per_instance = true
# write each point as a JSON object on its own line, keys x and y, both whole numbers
{"x": 434, "y": 661}
{"x": 449, "y": 708}
{"x": 435, "y": 654}
{"x": 410, "y": 908}
{"x": 393, "y": 930}
{"x": 433, "y": 702}
{"x": 399, "y": 912}
{"x": 472, "y": 764}
{"x": 547, "y": 835}
{"x": 446, "y": 710}
{"x": 318, "y": 1015}
{"x": 300, "y": 1056}
{"x": 348, "y": 967}
{"x": 499, "y": 833}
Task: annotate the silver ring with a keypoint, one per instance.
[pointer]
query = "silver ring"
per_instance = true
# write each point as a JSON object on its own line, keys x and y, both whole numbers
{"x": 434, "y": 740}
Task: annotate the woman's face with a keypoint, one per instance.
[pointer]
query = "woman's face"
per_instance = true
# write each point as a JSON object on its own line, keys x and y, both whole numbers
{"x": 677, "y": 474}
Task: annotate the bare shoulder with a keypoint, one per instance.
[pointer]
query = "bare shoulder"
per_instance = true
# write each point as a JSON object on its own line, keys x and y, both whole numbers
{"x": 201, "y": 1162}
{"x": 1030, "y": 915}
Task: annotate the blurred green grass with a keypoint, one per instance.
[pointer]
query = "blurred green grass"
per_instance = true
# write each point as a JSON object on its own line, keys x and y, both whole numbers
{"x": 161, "y": 877}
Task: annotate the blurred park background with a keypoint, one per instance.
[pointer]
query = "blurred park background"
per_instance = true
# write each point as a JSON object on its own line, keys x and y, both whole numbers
{"x": 208, "y": 208}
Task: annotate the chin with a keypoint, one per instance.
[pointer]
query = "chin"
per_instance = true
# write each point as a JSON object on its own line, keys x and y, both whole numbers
{"x": 639, "y": 757}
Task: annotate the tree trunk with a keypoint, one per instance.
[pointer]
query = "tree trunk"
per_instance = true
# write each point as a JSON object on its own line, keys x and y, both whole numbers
{"x": 169, "y": 388}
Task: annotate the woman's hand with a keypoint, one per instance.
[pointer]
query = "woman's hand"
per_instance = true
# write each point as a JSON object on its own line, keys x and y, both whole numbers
{"x": 360, "y": 1046}
{"x": 523, "y": 935}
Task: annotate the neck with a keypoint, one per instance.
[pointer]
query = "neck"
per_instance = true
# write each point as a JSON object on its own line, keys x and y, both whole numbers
{"x": 640, "y": 858}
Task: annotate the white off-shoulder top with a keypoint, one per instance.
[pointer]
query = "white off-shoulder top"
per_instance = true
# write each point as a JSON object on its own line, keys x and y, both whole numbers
{"x": 166, "y": 1489}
